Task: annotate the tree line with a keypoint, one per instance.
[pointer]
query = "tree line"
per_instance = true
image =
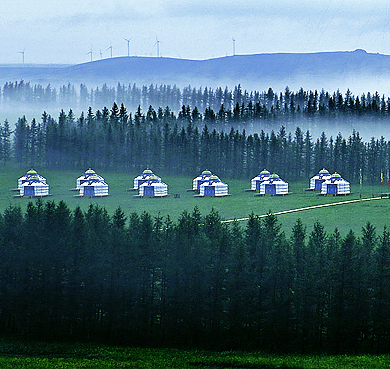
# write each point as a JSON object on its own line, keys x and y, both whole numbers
{"x": 86, "y": 275}
{"x": 243, "y": 104}
{"x": 187, "y": 142}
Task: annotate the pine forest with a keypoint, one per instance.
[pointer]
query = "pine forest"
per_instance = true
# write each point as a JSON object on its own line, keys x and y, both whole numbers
{"x": 140, "y": 280}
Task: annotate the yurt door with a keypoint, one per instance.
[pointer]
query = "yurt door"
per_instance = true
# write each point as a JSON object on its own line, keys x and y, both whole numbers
{"x": 148, "y": 191}
{"x": 332, "y": 188}
{"x": 318, "y": 184}
{"x": 28, "y": 190}
{"x": 258, "y": 183}
{"x": 270, "y": 189}
{"x": 209, "y": 190}
{"x": 88, "y": 191}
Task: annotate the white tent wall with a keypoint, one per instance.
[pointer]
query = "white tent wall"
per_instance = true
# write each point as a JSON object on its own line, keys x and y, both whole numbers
{"x": 41, "y": 189}
{"x": 254, "y": 182}
{"x": 35, "y": 189}
{"x": 160, "y": 189}
{"x": 99, "y": 189}
{"x": 342, "y": 187}
{"x": 281, "y": 187}
{"x": 219, "y": 189}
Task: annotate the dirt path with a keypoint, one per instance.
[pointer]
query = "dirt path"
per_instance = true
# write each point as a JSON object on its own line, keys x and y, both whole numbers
{"x": 306, "y": 208}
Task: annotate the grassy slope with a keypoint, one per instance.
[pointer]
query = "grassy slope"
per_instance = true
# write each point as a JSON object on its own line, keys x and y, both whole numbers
{"x": 43, "y": 355}
{"x": 239, "y": 205}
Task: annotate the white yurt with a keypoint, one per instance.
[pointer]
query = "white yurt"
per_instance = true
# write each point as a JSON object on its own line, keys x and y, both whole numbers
{"x": 146, "y": 174}
{"x": 204, "y": 177}
{"x": 213, "y": 187}
{"x": 153, "y": 187}
{"x": 336, "y": 185}
{"x": 255, "y": 182}
{"x": 31, "y": 173}
{"x": 274, "y": 186}
{"x": 318, "y": 179}
{"x": 84, "y": 178}
{"x": 94, "y": 186}
{"x": 34, "y": 187}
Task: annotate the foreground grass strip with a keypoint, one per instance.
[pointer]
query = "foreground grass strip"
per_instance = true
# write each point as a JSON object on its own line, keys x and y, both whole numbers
{"x": 66, "y": 356}
{"x": 305, "y": 208}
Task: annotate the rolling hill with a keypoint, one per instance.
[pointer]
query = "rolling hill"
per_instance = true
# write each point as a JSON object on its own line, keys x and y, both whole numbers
{"x": 357, "y": 70}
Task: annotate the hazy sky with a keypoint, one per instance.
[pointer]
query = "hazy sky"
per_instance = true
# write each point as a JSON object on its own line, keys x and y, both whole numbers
{"x": 65, "y": 31}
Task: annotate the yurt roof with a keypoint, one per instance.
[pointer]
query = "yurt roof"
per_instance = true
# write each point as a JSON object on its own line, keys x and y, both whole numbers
{"x": 152, "y": 179}
{"x": 206, "y": 172}
{"x": 94, "y": 178}
{"x": 323, "y": 171}
{"x": 264, "y": 171}
{"x": 90, "y": 171}
{"x": 32, "y": 171}
{"x": 336, "y": 175}
{"x": 34, "y": 178}
{"x": 274, "y": 176}
{"x": 147, "y": 171}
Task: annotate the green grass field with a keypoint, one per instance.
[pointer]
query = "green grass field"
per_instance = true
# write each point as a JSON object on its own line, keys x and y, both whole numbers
{"x": 37, "y": 355}
{"x": 238, "y": 205}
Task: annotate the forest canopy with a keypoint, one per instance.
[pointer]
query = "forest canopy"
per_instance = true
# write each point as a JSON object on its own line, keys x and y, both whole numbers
{"x": 139, "y": 280}
{"x": 189, "y": 142}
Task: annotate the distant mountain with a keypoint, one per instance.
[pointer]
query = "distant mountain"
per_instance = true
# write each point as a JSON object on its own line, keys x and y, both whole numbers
{"x": 358, "y": 70}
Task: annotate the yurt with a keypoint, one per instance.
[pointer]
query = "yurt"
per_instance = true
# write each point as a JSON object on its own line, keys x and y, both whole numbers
{"x": 153, "y": 187}
{"x": 318, "y": 179}
{"x": 84, "y": 178}
{"x": 255, "y": 182}
{"x": 31, "y": 173}
{"x": 274, "y": 186}
{"x": 204, "y": 177}
{"x": 94, "y": 186}
{"x": 146, "y": 174}
{"x": 335, "y": 185}
{"x": 34, "y": 187}
{"x": 213, "y": 187}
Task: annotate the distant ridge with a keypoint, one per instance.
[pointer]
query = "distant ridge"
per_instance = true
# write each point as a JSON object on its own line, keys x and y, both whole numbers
{"x": 358, "y": 70}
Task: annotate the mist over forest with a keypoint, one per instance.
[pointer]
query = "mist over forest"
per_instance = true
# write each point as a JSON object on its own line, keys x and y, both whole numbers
{"x": 160, "y": 82}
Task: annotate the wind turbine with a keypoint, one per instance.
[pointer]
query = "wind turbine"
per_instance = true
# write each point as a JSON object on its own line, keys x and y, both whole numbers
{"x": 22, "y": 52}
{"x": 90, "y": 52}
{"x": 101, "y": 55}
{"x": 234, "y": 46}
{"x": 128, "y": 42}
{"x": 158, "y": 46}
{"x": 110, "y": 47}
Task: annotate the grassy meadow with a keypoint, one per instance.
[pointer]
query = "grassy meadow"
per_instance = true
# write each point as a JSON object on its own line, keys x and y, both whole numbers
{"x": 38, "y": 355}
{"x": 43, "y": 355}
{"x": 239, "y": 204}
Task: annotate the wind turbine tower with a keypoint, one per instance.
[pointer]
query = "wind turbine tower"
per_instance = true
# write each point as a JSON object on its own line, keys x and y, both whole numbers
{"x": 90, "y": 52}
{"x": 128, "y": 42}
{"x": 110, "y": 48}
{"x": 158, "y": 46}
{"x": 22, "y": 52}
{"x": 234, "y": 46}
